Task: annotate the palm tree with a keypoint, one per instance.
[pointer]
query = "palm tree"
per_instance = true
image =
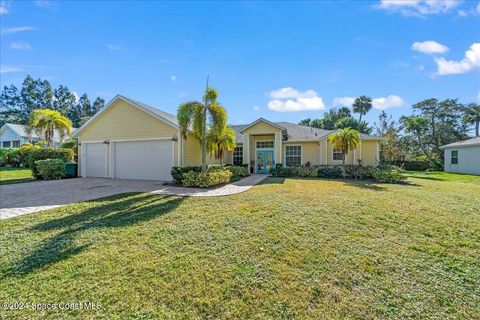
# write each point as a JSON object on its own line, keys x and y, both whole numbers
{"x": 197, "y": 117}
{"x": 362, "y": 105}
{"x": 344, "y": 140}
{"x": 218, "y": 144}
{"x": 45, "y": 122}
{"x": 472, "y": 116}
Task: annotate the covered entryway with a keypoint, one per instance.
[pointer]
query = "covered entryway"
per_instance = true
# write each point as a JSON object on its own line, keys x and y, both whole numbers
{"x": 142, "y": 159}
{"x": 95, "y": 157}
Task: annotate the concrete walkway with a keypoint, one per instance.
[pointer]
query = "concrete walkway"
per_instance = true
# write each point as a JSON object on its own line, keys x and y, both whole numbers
{"x": 23, "y": 198}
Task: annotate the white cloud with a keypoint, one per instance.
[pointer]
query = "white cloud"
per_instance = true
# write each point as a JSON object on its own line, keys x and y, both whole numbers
{"x": 289, "y": 99}
{"x": 20, "y": 45}
{"x": 8, "y": 69}
{"x": 381, "y": 103}
{"x": 429, "y": 47}
{"x": 343, "y": 102}
{"x": 4, "y": 8}
{"x": 473, "y": 11}
{"x": 419, "y": 8}
{"x": 391, "y": 101}
{"x": 470, "y": 62}
{"x": 173, "y": 78}
{"x": 256, "y": 108}
{"x": 16, "y": 30}
{"x": 113, "y": 47}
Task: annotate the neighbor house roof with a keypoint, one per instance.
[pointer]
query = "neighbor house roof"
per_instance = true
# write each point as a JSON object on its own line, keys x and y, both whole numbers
{"x": 21, "y": 130}
{"x": 465, "y": 143}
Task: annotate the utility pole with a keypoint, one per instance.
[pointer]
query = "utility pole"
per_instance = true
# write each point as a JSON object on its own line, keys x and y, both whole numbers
{"x": 204, "y": 133}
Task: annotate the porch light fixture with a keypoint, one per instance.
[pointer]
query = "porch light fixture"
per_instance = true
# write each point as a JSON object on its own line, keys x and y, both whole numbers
{"x": 106, "y": 142}
{"x": 174, "y": 138}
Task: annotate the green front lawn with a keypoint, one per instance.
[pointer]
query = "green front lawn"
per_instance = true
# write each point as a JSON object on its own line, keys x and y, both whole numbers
{"x": 15, "y": 175}
{"x": 288, "y": 248}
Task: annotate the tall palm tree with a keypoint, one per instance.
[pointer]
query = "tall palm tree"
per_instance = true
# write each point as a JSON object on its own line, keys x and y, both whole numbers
{"x": 201, "y": 117}
{"x": 362, "y": 105}
{"x": 218, "y": 144}
{"x": 472, "y": 116}
{"x": 45, "y": 122}
{"x": 344, "y": 140}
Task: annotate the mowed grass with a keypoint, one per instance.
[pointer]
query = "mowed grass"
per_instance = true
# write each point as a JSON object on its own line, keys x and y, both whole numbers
{"x": 15, "y": 175}
{"x": 288, "y": 248}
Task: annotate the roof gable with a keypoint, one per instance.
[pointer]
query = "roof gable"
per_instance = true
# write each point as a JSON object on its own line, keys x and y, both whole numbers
{"x": 262, "y": 120}
{"x": 465, "y": 143}
{"x": 156, "y": 113}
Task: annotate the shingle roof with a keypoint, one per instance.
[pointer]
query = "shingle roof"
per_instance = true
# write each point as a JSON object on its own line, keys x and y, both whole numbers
{"x": 465, "y": 143}
{"x": 21, "y": 131}
{"x": 297, "y": 132}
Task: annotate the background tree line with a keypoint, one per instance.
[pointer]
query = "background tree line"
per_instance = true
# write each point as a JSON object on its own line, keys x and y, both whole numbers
{"x": 419, "y": 136}
{"x": 17, "y": 104}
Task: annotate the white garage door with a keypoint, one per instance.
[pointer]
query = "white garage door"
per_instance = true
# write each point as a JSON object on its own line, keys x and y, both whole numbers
{"x": 146, "y": 160}
{"x": 95, "y": 154}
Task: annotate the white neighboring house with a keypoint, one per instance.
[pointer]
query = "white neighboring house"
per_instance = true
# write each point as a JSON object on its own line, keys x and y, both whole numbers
{"x": 463, "y": 156}
{"x": 14, "y": 135}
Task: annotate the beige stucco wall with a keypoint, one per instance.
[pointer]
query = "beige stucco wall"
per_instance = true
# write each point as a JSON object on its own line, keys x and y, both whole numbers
{"x": 192, "y": 149}
{"x": 122, "y": 121}
{"x": 262, "y": 128}
{"x": 368, "y": 156}
{"x": 310, "y": 151}
{"x": 369, "y": 153}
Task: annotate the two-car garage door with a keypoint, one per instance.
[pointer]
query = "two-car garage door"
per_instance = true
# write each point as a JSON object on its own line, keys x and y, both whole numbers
{"x": 143, "y": 159}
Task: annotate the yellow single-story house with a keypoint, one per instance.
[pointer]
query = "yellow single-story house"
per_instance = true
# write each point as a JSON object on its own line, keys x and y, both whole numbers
{"x": 128, "y": 139}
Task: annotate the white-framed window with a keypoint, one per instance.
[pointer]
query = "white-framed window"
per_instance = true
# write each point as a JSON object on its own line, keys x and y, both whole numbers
{"x": 238, "y": 156}
{"x": 264, "y": 144}
{"x": 454, "y": 157}
{"x": 293, "y": 156}
{"x": 337, "y": 154}
{"x": 6, "y": 144}
{"x": 16, "y": 144}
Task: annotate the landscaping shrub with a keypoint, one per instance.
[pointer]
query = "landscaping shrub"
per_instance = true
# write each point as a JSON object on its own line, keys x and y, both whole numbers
{"x": 307, "y": 171}
{"x": 412, "y": 165}
{"x": 206, "y": 179}
{"x": 388, "y": 174}
{"x": 280, "y": 171}
{"x": 11, "y": 157}
{"x": 178, "y": 172}
{"x": 358, "y": 172}
{"x": 71, "y": 144}
{"x": 329, "y": 171}
{"x": 50, "y": 169}
{"x": 238, "y": 172}
{"x": 66, "y": 155}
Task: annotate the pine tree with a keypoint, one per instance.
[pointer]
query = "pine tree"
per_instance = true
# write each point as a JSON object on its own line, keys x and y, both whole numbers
{"x": 98, "y": 104}
{"x": 10, "y": 107}
{"x": 64, "y": 100}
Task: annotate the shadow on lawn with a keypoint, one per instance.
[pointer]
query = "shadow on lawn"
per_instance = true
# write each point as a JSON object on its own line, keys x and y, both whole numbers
{"x": 112, "y": 213}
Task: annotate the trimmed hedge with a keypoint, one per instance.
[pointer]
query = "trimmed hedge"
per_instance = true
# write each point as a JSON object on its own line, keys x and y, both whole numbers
{"x": 238, "y": 172}
{"x": 178, "y": 172}
{"x": 388, "y": 174}
{"x": 384, "y": 173}
{"x": 66, "y": 155}
{"x": 206, "y": 179}
{"x": 50, "y": 169}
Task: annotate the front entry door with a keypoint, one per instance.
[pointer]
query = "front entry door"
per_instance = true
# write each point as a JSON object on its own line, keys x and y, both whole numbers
{"x": 264, "y": 161}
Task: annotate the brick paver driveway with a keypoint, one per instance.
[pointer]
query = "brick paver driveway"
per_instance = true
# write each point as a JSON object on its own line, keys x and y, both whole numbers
{"x": 23, "y": 198}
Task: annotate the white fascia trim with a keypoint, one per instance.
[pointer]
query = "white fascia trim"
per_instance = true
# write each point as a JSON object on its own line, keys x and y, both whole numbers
{"x": 130, "y": 102}
{"x": 263, "y": 120}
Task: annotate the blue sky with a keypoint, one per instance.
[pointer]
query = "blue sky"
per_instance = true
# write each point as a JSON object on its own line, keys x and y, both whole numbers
{"x": 283, "y": 61}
